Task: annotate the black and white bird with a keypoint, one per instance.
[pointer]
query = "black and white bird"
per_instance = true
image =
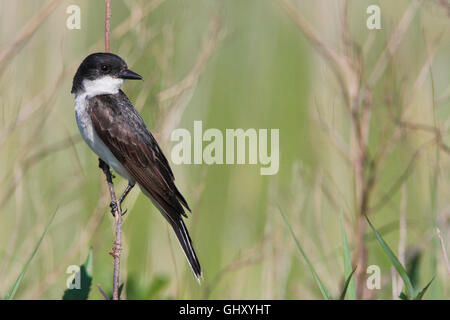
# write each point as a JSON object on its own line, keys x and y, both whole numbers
{"x": 115, "y": 131}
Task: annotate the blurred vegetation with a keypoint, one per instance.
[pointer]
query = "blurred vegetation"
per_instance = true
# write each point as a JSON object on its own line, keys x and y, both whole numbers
{"x": 231, "y": 64}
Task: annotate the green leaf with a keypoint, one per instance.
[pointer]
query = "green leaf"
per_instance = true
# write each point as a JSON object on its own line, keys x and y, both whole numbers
{"x": 346, "y": 285}
{"x": 421, "y": 293}
{"x": 412, "y": 268}
{"x": 348, "y": 269}
{"x": 403, "y": 296}
{"x": 322, "y": 288}
{"x": 85, "y": 276}
{"x": 411, "y": 292}
{"x": 13, "y": 291}
{"x": 120, "y": 291}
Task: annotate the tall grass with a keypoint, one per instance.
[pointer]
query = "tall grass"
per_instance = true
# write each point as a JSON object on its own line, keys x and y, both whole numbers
{"x": 233, "y": 64}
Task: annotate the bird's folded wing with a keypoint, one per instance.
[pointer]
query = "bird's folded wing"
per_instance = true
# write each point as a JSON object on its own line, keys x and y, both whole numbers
{"x": 124, "y": 132}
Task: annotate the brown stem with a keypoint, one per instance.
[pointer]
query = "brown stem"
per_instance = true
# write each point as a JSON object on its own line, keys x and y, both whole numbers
{"x": 102, "y": 292}
{"x": 364, "y": 185}
{"x": 107, "y": 25}
{"x": 115, "y": 253}
{"x": 360, "y": 259}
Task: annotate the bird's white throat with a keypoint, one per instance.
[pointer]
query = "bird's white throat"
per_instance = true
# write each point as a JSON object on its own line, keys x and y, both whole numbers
{"x": 84, "y": 121}
{"x": 103, "y": 85}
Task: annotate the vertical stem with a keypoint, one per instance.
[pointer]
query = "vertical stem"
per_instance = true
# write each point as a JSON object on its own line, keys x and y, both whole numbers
{"x": 360, "y": 257}
{"x": 107, "y": 25}
{"x": 118, "y": 212}
{"x": 118, "y": 241}
{"x": 444, "y": 251}
{"x": 116, "y": 252}
{"x": 363, "y": 187}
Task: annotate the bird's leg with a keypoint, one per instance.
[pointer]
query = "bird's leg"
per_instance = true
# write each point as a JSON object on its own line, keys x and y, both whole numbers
{"x": 113, "y": 205}
{"x": 126, "y": 192}
{"x": 102, "y": 165}
{"x": 105, "y": 167}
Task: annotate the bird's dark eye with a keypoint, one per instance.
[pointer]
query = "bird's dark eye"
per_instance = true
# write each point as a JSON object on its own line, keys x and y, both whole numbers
{"x": 104, "y": 67}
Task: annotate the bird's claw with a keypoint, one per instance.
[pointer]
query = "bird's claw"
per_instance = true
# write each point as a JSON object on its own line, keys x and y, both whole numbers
{"x": 114, "y": 206}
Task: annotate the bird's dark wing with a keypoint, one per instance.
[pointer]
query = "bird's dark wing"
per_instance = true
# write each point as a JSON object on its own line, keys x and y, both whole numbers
{"x": 124, "y": 132}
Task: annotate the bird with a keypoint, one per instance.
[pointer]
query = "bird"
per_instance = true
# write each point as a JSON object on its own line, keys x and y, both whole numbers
{"x": 115, "y": 131}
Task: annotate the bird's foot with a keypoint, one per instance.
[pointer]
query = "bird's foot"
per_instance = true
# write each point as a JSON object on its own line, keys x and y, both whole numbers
{"x": 114, "y": 205}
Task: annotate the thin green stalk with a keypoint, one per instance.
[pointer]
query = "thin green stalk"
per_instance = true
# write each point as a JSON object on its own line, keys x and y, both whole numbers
{"x": 13, "y": 291}
{"x": 322, "y": 288}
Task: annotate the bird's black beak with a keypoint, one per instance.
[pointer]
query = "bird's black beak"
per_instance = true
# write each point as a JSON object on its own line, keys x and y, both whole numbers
{"x": 128, "y": 74}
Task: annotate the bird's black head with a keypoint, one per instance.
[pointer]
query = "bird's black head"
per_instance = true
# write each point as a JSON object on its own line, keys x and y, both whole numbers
{"x": 99, "y": 66}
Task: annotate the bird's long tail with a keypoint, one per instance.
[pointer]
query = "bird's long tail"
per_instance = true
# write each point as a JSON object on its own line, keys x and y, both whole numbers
{"x": 177, "y": 223}
{"x": 186, "y": 244}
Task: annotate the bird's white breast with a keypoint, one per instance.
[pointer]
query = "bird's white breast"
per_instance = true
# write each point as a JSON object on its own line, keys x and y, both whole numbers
{"x": 89, "y": 135}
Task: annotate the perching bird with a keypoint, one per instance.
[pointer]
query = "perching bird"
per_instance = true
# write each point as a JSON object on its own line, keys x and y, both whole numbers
{"x": 115, "y": 131}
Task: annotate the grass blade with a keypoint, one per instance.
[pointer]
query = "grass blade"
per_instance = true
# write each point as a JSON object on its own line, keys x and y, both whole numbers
{"x": 421, "y": 293}
{"x": 120, "y": 290}
{"x": 348, "y": 269}
{"x": 413, "y": 267}
{"x": 411, "y": 292}
{"x": 13, "y": 291}
{"x": 346, "y": 285}
{"x": 322, "y": 288}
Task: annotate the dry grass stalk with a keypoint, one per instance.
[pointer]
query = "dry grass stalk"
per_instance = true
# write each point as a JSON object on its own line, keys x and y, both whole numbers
{"x": 444, "y": 251}
{"x": 347, "y": 65}
{"x": 9, "y": 51}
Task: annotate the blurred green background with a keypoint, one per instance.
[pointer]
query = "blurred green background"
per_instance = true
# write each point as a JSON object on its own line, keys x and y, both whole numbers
{"x": 239, "y": 64}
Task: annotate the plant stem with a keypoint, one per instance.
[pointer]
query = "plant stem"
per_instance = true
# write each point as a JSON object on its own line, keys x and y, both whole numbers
{"x": 118, "y": 211}
{"x": 107, "y": 25}
{"x": 115, "y": 253}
